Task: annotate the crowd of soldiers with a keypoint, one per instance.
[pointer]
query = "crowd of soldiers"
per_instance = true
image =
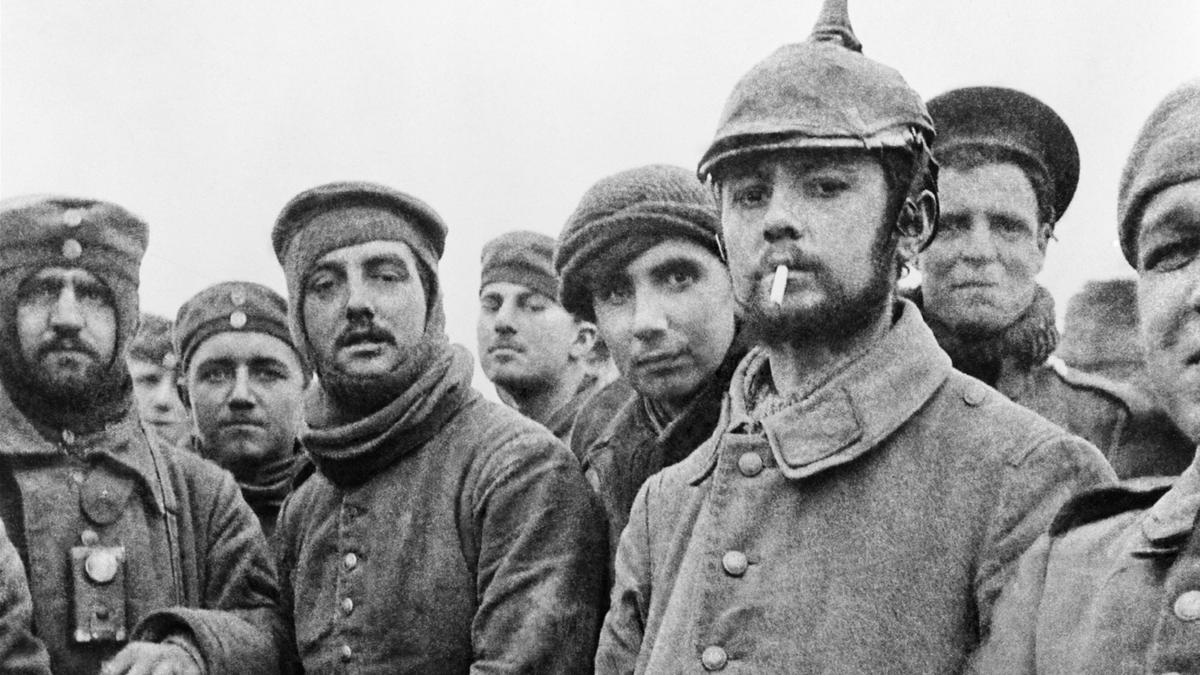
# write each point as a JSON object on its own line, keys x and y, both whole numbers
{"x": 729, "y": 439}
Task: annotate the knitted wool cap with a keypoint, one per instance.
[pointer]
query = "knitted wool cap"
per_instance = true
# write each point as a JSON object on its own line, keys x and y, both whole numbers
{"x": 1013, "y": 120}
{"x": 337, "y": 215}
{"x": 152, "y": 344}
{"x": 230, "y": 307}
{"x": 657, "y": 200}
{"x": 1100, "y": 325}
{"x": 822, "y": 93}
{"x": 523, "y": 258}
{"x": 41, "y": 231}
{"x": 1167, "y": 153}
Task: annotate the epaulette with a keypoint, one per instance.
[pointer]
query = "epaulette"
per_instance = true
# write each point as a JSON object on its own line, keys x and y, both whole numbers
{"x": 1100, "y": 503}
{"x": 1138, "y": 402}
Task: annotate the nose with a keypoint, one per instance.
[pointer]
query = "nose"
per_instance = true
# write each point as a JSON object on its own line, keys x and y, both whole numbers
{"x": 240, "y": 396}
{"x": 163, "y": 396}
{"x": 649, "y": 317}
{"x": 977, "y": 243}
{"x": 503, "y": 322}
{"x": 67, "y": 314}
{"x": 781, "y": 222}
{"x": 359, "y": 302}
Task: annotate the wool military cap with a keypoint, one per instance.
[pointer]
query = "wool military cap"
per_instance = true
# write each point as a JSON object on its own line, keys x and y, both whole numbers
{"x": 998, "y": 117}
{"x": 229, "y": 307}
{"x": 822, "y": 93}
{"x": 1167, "y": 153}
{"x": 639, "y": 207}
{"x": 152, "y": 344}
{"x": 521, "y": 257}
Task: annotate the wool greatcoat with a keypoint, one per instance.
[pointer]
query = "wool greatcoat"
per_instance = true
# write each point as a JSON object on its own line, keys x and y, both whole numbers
{"x": 867, "y": 528}
{"x": 195, "y": 558}
{"x": 20, "y": 652}
{"x": 1114, "y": 587}
{"x": 477, "y": 546}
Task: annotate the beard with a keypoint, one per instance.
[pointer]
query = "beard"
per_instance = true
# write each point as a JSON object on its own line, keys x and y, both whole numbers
{"x": 75, "y": 380}
{"x": 839, "y": 314}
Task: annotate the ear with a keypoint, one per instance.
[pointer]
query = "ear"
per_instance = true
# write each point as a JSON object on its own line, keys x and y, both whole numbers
{"x": 1045, "y": 234}
{"x": 585, "y": 339}
{"x": 916, "y": 225}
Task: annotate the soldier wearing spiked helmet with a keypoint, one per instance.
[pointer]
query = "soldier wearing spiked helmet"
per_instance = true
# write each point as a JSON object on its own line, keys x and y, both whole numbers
{"x": 861, "y": 503}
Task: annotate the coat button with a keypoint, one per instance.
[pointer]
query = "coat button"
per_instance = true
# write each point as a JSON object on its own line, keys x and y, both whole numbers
{"x": 89, "y": 538}
{"x": 714, "y": 658}
{"x": 347, "y": 605}
{"x": 1187, "y": 606}
{"x": 974, "y": 394}
{"x": 347, "y": 653}
{"x": 101, "y": 566}
{"x": 735, "y": 563}
{"x": 350, "y": 561}
{"x": 750, "y": 464}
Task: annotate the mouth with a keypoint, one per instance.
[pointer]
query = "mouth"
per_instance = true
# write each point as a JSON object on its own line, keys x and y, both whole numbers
{"x": 506, "y": 347}
{"x": 238, "y": 425}
{"x": 659, "y": 360}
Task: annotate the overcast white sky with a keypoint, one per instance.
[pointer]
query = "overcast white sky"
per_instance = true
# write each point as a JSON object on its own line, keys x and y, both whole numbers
{"x": 206, "y": 117}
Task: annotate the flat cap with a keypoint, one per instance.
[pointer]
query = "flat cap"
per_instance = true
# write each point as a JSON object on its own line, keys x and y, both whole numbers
{"x": 521, "y": 257}
{"x": 1006, "y": 118}
{"x": 230, "y": 306}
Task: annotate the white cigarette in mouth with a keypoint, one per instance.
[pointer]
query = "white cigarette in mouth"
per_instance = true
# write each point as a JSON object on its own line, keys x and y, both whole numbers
{"x": 779, "y": 285}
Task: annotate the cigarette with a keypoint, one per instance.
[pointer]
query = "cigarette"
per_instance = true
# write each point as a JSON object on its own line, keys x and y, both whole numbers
{"x": 779, "y": 285}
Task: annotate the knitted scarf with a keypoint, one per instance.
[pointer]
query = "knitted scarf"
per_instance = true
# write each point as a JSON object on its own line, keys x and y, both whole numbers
{"x": 1026, "y": 343}
{"x": 349, "y": 450}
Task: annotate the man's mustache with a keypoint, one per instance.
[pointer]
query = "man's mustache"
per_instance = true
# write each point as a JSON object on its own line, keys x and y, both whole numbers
{"x": 67, "y": 343}
{"x": 356, "y": 334}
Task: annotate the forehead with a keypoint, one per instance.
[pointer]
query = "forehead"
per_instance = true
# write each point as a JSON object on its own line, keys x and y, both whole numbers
{"x": 360, "y": 254}
{"x": 244, "y": 346}
{"x": 801, "y": 161}
{"x": 1176, "y": 208}
{"x": 137, "y": 366}
{"x": 670, "y": 251}
{"x": 510, "y": 290}
{"x": 989, "y": 186}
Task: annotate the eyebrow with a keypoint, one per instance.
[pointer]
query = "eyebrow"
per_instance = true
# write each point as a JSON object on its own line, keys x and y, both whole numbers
{"x": 677, "y": 262}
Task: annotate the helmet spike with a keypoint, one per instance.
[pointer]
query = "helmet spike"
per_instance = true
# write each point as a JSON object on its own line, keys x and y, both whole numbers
{"x": 833, "y": 25}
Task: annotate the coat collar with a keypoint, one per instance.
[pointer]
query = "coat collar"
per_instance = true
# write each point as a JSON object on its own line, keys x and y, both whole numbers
{"x": 123, "y": 445}
{"x": 852, "y": 412}
{"x": 1174, "y": 514}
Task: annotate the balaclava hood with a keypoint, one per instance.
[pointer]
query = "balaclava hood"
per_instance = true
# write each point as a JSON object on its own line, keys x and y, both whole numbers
{"x": 39, "y": 232}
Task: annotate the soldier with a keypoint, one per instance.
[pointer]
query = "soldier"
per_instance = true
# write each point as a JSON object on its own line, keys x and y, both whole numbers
{"x": 1009, "y": 167}
{"x": 441, "y": 532}
{"x": 139, "y": 555}
{"x": 1113, "y": 587}
{"x": 20, "y": 652}
{"x": 861, "y": 503}
{"x": 243, "y": 384}
{"x": 641, "y": 256}
{"x": 532, "y": 349}
{"x": 152, "y": 366}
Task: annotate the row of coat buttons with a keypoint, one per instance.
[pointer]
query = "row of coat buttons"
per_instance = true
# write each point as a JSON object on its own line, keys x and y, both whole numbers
{"x": 735, "y": 563}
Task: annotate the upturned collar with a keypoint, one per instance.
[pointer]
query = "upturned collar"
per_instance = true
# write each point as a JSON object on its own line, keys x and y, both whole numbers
{"x": 859, "y": 406}
{"x": 1174, "y": 515}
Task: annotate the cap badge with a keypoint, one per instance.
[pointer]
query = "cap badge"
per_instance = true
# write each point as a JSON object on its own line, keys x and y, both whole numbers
{"x": 237, "y": 297}
{"x": 72, "y": 249}
{"x": 169, "y": 361}
{"x": 237, "y": 319}
{"x": 72, "y": 217}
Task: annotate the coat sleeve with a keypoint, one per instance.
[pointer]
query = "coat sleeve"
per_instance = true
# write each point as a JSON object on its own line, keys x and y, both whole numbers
{"x": 1009, "y": 647}
{"x": 20, "y": 652}
{"x": 1034, "y": 488}
{"x": 625, "y": 624}
{"x": 236, "y": 623}
{"x": 541, "y": 561}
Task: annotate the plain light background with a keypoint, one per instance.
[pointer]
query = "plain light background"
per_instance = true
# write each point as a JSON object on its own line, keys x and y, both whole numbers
{"x": 206, "y": 117}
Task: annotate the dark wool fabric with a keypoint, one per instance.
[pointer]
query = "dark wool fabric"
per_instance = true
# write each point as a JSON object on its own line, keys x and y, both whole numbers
{"x": 1029, "y": 341}
{"x": 524, "y": 258}
{"x": 20, "y": 652}
{"x": 665, "y": 201}
{"x": 152, "y": 343}
{"x": 264, "y": 491}
{"x": 337, "y": 215}
{"x": 1166, "y": 153}
{"x": 230, "y": 306}
{"x": 37, "y": 232}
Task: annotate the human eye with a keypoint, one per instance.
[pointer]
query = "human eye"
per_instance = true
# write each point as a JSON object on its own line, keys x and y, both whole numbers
{"x": 489, "y": 304}
{"x": 1170, "y": 255}
{"x": 826, "y": 185}
{"x": 952, "y": 224}
{"x": 678, "y": 276}
{"x": 214, "y": 374}
{"x": 268, "y": 372}
{"x": 535, "y": 304}
{"x": 390, "y": 271}
{"x": 747, "y": 193}
{"x": 613, "y": 294}
{"x": 322, "y": 283}
{"x": 1011, "y": 228}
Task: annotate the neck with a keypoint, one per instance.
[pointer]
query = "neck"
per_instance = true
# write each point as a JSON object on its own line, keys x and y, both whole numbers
{"x": 800, "y": 367}
{"x": 539, "y": 403}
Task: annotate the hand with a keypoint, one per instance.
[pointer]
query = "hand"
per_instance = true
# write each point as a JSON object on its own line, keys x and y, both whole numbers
{"x": 152, "y": 658}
